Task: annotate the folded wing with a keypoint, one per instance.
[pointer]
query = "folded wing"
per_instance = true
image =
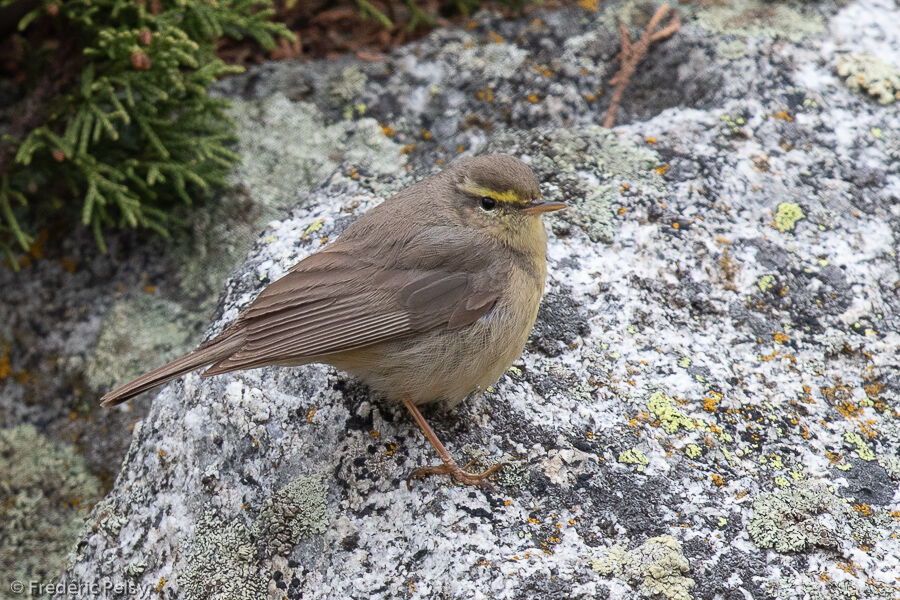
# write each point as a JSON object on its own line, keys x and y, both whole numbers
{"x": 339, "y": 300}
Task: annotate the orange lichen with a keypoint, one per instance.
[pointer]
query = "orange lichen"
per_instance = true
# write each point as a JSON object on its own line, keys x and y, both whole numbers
{"x": 711, "y": 402}
{"x": 485, "y": 94}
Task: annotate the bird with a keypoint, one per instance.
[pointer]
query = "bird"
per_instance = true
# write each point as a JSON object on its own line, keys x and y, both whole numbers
{"x": 426, "y": 298}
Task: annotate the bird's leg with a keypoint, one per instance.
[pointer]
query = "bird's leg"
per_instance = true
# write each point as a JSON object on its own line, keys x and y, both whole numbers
{"x": 449, "y": 466}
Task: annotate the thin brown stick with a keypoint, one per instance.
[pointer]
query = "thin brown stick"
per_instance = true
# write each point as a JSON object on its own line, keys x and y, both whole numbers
{"x": 632, "y": 53}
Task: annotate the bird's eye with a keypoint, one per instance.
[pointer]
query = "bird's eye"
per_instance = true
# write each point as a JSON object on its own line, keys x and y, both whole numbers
{"x": 488, "y": 203}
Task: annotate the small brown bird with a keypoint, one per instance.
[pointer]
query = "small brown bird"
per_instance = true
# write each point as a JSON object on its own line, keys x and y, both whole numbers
{"x": 428, "y": 297}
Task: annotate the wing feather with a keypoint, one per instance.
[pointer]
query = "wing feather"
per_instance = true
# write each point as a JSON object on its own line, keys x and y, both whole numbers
{"x": 339, "y": 300}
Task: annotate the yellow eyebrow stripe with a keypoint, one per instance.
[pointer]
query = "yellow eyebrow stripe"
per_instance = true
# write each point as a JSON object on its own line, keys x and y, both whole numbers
{"x": 507, "y": 196}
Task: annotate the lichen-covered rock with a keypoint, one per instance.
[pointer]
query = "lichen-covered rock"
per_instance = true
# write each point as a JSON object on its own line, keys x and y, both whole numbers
{"x": 295, "y": 512}
{"x": 46, "y": 492}
{"x": 657, "y": 566}
{"x": 870, "y": 74}
{"x": 708, "y": 407}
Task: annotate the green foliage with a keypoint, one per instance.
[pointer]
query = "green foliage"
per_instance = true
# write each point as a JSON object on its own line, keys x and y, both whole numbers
{"x": 123, "y": 120}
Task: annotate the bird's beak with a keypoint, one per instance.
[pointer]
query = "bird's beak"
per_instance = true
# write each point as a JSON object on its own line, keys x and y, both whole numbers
{"x": 536, "y": 207}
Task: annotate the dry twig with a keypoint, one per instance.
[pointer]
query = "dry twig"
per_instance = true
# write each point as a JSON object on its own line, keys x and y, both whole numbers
{"x": 632, "y": 53}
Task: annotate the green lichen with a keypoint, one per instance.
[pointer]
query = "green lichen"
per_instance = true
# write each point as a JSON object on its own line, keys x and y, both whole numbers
{"x": 862, "y": 449}
{"x": 684, "y": 362}
{"x": 660, "y": 406}
{"x": 787, "y": 215}
{"x": 868, "y": 74}
{"x": 293, "y": 513}
{"x": 805, "y": 514}
{"x": 135, "y": 569}
{"x": 346, "y": 86}
{"x": 803, "y": 585}
{"x": 732, "y": 50}
{"x": 221, "y": 562}
{"x": 46, "y": 492}
{"x": 658, "y": 566}
{"x": 514, "y": 473}
{"x": 733, "y": 124}
{"x": 775, "y": 462}
{"x": 147, "y": 330}
{"x": 891, "y": 464}
{"x": 693, "y": 450}
{"x": 633, "y": 456}
{"x": 491, "y": 61}
{"x": 756, "y": 18}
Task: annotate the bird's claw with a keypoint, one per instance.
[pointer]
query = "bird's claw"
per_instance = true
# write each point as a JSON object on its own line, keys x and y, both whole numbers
{"x": 460, "y": 474}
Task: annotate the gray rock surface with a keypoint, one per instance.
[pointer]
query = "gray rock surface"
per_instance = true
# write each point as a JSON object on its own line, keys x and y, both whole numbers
{"x": 709, "y": 404}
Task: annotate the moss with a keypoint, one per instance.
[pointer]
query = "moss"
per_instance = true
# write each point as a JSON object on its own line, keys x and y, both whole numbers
{"x": 47, "y": 491}
{"x": 787, "y": 216}
{"x": 293, "y": 513}
{"x": 660, "y": 406}
{"x": 221, "y": 563}
{"x": 862, "y": 449}
{"x": 868, "y": 74}
{"x": 633, "y": 456}
{"x": 806, "y": 514}
{"x": 752, "y": 18}
{"x": 140, "y": 332}
{"x": 658, "y": 565}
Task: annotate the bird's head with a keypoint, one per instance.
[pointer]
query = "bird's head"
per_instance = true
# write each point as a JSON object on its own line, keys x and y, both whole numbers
{"x": 500, "y": 194}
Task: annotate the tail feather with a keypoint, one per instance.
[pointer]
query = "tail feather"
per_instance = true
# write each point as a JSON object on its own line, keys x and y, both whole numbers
{"x": 209, "y": 353}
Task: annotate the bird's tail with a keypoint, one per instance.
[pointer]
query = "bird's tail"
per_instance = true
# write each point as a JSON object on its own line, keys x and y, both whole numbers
{"x": 213, "y": 351}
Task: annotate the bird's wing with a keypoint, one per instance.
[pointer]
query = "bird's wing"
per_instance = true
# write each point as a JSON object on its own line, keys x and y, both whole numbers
{"x": 339, "y": 300}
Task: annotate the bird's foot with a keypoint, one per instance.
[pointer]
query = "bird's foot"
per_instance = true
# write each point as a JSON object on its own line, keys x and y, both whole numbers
{"x": 460, "y": 474}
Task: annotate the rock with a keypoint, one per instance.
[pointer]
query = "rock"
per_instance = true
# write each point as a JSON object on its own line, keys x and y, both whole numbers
{"x": 708, "y": 405}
